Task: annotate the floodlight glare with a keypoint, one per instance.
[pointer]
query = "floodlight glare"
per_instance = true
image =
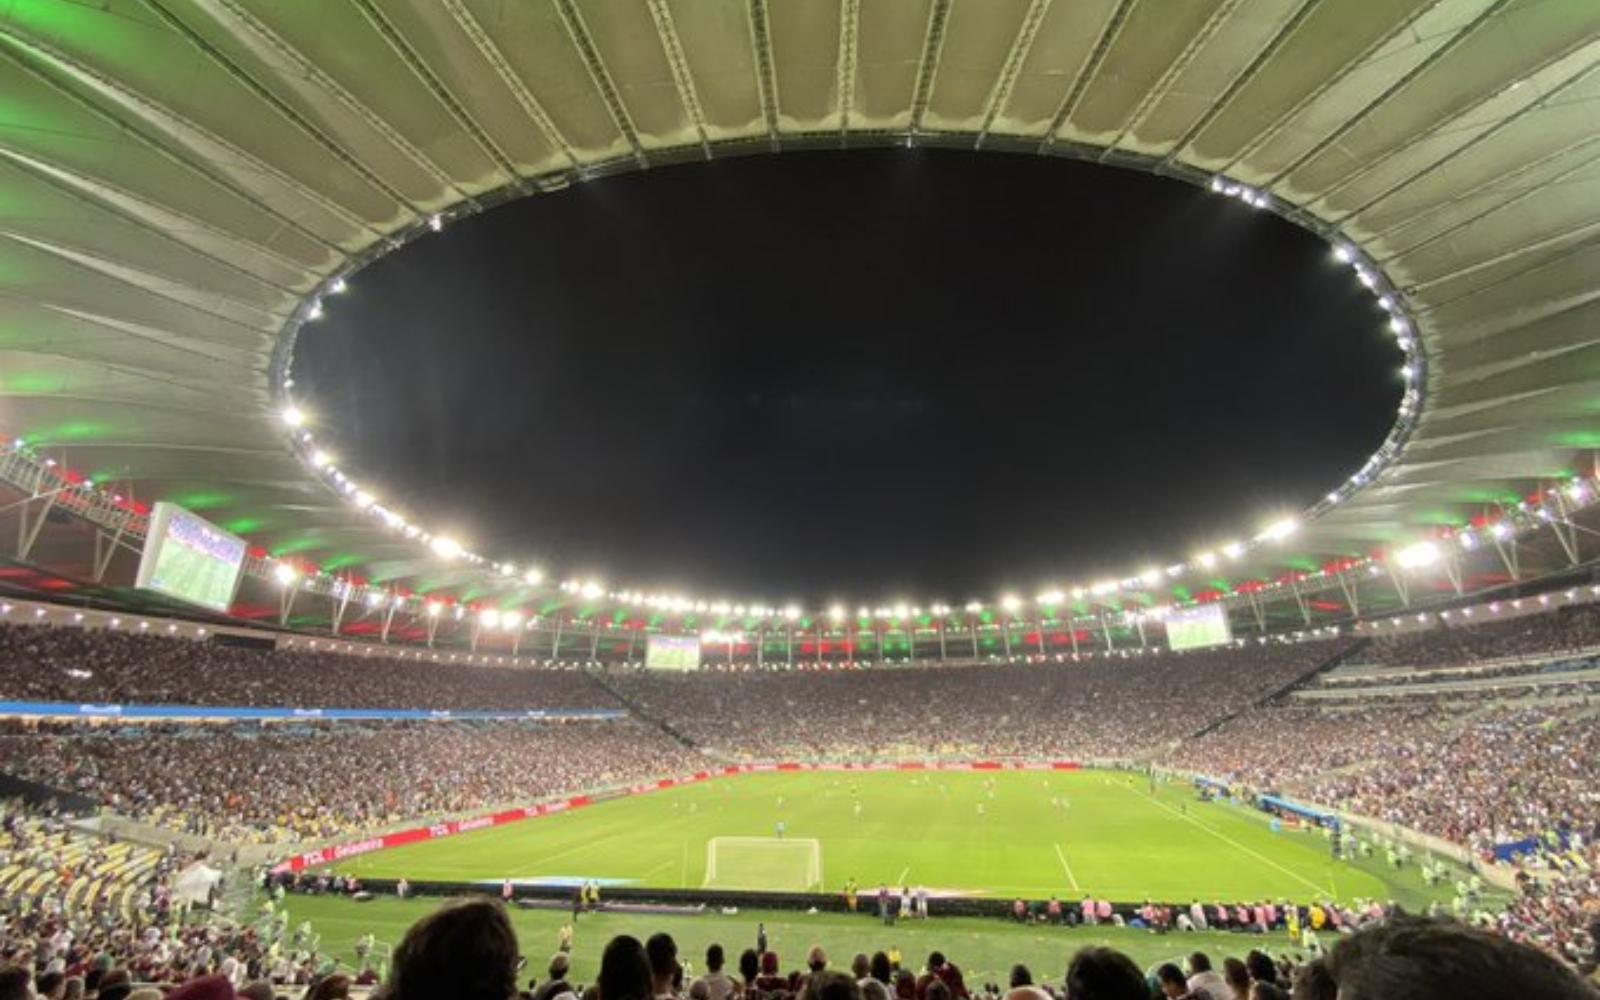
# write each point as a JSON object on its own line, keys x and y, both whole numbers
{"x": 285, "y": 574}
{"x": 292, "y": 416}
{"x": 1417, "y": 556}
{"x": 974, "y": 607}
{"x": 836, "y": 612}
{"x": 489, "y": 618}
{"x": 1277, "y": 531}
{"x": 445, "y": 548}
{"x": 532, "y": 577}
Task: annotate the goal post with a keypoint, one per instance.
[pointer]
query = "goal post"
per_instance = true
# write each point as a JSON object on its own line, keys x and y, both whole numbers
{"x": 786, "y": 865}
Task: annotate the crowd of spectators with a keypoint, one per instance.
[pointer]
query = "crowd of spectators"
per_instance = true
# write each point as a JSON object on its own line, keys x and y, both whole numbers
{"x": 1478, "y": 772}
{"x": 1095, "y": 709}
{"x": 1570, "y": 629}
{"x": 285, "y": 784}
{"x": 469, "y": 950}
{"x": 60, "y": 664}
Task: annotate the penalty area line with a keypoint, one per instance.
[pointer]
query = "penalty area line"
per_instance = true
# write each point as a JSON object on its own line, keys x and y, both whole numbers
{"x": 1231, "y": 842}
{"x": 1067, "y": 868}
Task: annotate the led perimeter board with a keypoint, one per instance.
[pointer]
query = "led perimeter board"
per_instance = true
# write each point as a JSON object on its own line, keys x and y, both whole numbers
{"x": 190, "y": 558}
{"x": 1197, "y": 628}
{"x": 673, "y": 652}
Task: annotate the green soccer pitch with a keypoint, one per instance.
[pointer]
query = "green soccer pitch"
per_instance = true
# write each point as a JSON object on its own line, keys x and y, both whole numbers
{"x": 998, "y": 834}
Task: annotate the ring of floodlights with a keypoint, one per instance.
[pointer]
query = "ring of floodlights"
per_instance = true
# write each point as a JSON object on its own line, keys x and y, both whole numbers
{"x": 1387, "y": 296}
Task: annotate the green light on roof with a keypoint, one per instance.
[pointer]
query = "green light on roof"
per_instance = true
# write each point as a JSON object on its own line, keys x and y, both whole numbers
{"x": 295, "y": 545}
{"x": 203, "y": 499}
{"x": 76, "y": 430}
{"x": 243, "y": 525}
{"x": 29, "y": 382}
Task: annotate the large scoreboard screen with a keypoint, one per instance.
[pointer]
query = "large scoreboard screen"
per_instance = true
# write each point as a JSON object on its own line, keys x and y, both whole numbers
{"x": 673, "y": 652}
{"x": 1197, "y": 628}
{"x": 188, "y": 557}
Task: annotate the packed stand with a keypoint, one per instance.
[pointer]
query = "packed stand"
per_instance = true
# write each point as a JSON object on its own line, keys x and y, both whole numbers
{"x": 1572, "y": 629}
{"x": 1482, "y": 774}
{"x": 313, "y": 782}
{"x": 61, "y": 664}
{"x": 1096, "y": 709}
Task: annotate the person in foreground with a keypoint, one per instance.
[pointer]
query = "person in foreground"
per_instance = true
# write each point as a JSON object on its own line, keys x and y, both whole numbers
{"x": 465, "y": 951}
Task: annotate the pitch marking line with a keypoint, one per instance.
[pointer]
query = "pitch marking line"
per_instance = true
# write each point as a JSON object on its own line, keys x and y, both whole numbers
{"x": 1067, "y": 868}
{"x": 903, "y": 873}
{"x": 1231, "y": 842}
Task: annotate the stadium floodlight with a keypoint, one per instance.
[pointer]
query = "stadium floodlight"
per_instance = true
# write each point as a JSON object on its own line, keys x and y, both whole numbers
{"x": 1418, "y": 555}
{"x": 337, "y": 286}
{"x": 1233, "y": 550}
{"x": 1103, "y": 588}
{"x": 321, "y": 459}
{"x": 292, "y": 416}
{"x": 792, "y": 612}
{"x": 533, "y": 577}
{"x": 974, "y": 607}
{"x": 436, "y": 222}
{"x": 1343, "y": 254}
{"x": 1051, "y": 598}
{"x": 899, "y": 611}
{"x": 285, "y": 574}
{"x": 489, "y": 618}
{"x": 1150, "y": 577}
{"x": 433, "y": 609}
{"x": 1399, "y": 327}
{"x": 445, "y": 548}
{"x": 511, "y": 620}
{"x": 941, "y": 609}
{"x": 1011, "y": 603}
{"x": 591, "y": 589}
{"x": 720, "y": 607}
{"x": 836, "y": 613}
{"x": 315, "y": 312}
{"x": 1277, "y": 531}
{"x": 1500, "y": 530}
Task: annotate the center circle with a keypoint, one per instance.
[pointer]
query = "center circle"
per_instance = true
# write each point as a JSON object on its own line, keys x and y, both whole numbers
{"x": 854, "y": 374}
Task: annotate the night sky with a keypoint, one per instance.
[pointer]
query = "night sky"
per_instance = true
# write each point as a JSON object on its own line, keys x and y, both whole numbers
{"x": 854, "y": 376}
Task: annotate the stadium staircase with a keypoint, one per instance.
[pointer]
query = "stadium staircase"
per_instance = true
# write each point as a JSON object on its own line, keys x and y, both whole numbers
{"x": 635, "y": 710}
{"x": 1331, "y": 663}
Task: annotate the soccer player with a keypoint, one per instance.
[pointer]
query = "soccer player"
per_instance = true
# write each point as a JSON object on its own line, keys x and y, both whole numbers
{"x": 780, "y": 829}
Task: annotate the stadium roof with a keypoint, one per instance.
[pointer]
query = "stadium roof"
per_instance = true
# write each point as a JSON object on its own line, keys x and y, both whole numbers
{"x": 180, "y": 178}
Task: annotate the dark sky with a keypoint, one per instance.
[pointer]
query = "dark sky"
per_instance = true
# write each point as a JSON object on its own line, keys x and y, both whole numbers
{"x": 854, "y": 375}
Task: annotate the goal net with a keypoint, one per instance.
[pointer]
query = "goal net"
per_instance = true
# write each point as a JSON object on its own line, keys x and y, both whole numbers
{"x": 788, "y": 865}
